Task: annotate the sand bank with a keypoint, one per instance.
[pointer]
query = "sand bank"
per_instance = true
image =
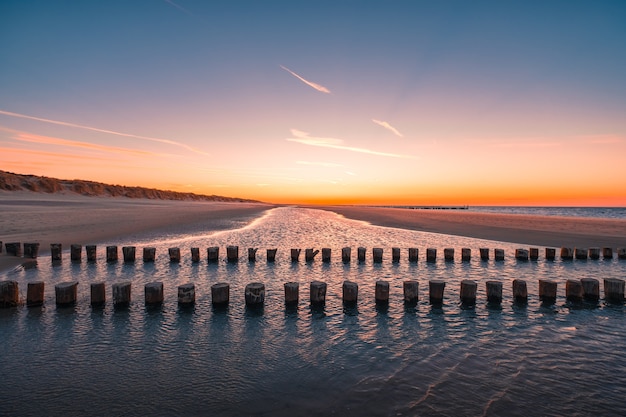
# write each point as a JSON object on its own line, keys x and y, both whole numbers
{"x": 549, "y": 231}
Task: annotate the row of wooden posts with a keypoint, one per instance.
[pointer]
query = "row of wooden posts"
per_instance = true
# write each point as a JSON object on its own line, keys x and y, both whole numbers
{"x": 31, "y": 250}
{"x": 576, "y": 291}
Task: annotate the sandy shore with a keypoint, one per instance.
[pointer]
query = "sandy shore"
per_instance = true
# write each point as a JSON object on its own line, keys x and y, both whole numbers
{"x": 549, "y": 231}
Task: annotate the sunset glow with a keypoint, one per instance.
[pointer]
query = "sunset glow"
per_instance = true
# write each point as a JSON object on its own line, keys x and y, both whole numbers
{"x": 408, "y": 102}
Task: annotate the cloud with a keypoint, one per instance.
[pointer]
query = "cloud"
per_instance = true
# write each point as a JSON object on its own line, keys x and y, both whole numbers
{"x": 111, "y": 132}
{"x": 318, "y": 87}
{"x": 388, "y": 127}
{"x": 178, "y": 6}
{"x": 333, "y": 143}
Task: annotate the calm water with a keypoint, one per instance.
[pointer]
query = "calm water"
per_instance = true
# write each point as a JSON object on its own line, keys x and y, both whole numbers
{"x": 532, "y": 361}
{"x": 596, "y": 212}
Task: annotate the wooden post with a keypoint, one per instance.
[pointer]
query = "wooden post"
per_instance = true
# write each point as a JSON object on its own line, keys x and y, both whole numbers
{"x": 232, "y": 254}
{"x": 621, "y": 253}
{"x": 121, "y": 294}
{"x": 574, "y": 291}
{"x": 607, "y": 253}
{"x": 448, "y": 254}
{"x": 468, "y": 292}
{"x": 252, "y": 254}
{"x": 534, "y": 254}
{"x": 153, "y": 293}
{"x": 395, "y": 255}
{"x": 9, "y": 294}
{"x": 326, "y": 255}
{"x": 128, "y": 252}
{"x": 76, "y": 252}
{"x": 92, "y": 253}
{"x": 31, "y": 250}
{"x": 295, "y": 255}
{"x": 35, "y": 294}
{"x": 580, "y": 253}
{"x": 550, "y": 254}
{"x": 411, "y": 291}
{"x": 521, "y": 254}
{"x": 494, "y": 292}
{"x": 594, "y": 253}
{"x": 567, "y": 254}
{"x": 614, "y": 290}
{"x": 309, "y": 254}
{"x": 547, "y": 291}
{"x": 318, "y": 293}
{"x": 13, "y": 248}
{"x": 174, "y": 254}
{"x": 377, "y": 255}
{"x": 361, "y": 251}
{"x": 195, "y": 255}
{"x": 66, "y": 293}
{"x": 292, "y": 293}
{"x": 381, "y": 292}
{"x": 350, "y": 292}
{"x": 431, "y": 255}
{"x": 255, "y": 294}
{"x": 271, "y": 255}
{"x": 220, "y": 294}
{"x": 149, "y": 255}
{"x": 520, "y": 291}
{"x": 466, "y": 254}
{"x": 346, "y": 255}
{"x": 56, "y": 252}
{"x": 484, "y": 254}
{"x": 413, "y": 255}
{"x": 98, "y": 294}
{"x": 0, "y": 246}
{"x": 498, "y": 254}
{"x": 111, "y": 253}
{"x": 435, "y": 291}
{"x": 186, "y": 294}
{"x": 591, "y": 289}
{"x": 213, "y": 254}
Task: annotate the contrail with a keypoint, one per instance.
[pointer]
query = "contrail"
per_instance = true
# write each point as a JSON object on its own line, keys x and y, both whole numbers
{"x": 388, "y": 127}
{"x": 178, "y": 6}
{"x": 318, "y": 87}
{"x": 111, "y": 132}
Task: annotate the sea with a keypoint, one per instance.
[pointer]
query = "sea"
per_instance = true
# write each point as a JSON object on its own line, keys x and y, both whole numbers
{"x": 347, "y": 360}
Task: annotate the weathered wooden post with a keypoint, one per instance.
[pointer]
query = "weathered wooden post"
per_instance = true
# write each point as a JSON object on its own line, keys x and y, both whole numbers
{"x": 252, "y": 254}
{"x": 56, "y": 252}
{"x": 534, "y": 254}
{"x": 111, "y": 253}
{"x": 31, "y": 250}
{"x": 13, "y": 248}
{"x": 318, "y": 293}
{"x": 255, "y": 294}
{"x": 381, "y": 292}
{"x": 195, "y": 255}
{"x": 411, "y": 291}
{"x": 9, "y": 294}
{"x": 220, "y": 294}
{"x": 153, "y": 293}
{"x": 295, "y": 255}
{"x": 121, "y": 294}
{"x": 213, "y": 254}
{"x": 621, "y": 253}
{"x": 521, "y": 254}
{"x": 574, "y": 291}
{"x": 292, "y": 293}
{"x": 149, "y": 255}
{"x": 309, "y": 254}
{"x": 413, "y": 255}
{"x": 448, "y": 254}
{"x": 350, "y": 292}
{"x": 361, "y": 251}
{"x": 498, "y": 254}
{"x": 484, "y": 254}
{"x": 76, "y": 252}
{"x": 35, "y": 294}
{"x": 66, "y": 293}
{"x": 591, "y": 289}
{"x": 128, "y": 252}
{"x": 614, "y": 290}
{"x": 550, "y": 254}
{"x": 580, "y": 253}
{"x": 468, "y": 292}
{"x": 271, "y": 255}
{"x": 607, "y": 253}
{"x": 92, "y": 253}
{"x": 547, "y": 291}
{"x": 435, "y": 291}
{"x": 520, "y": 291}
{"x": 377, "y": 255}
{"x": 98, "y": 294}
{"x": 346, "y": 255}
{"x": 326, "y": 255}
{"x": 174, "y": 254}
{"x": 186, "y": 294}
{"x": 395, "y": 255}
{"x": 594, "y": 253}
{"x": 466, "y": 254}
{"x": 431, "y": 255}
{"x": 232, "y": 254}
{"x": 494, "y": 292}
{"x": 567, "y": 254}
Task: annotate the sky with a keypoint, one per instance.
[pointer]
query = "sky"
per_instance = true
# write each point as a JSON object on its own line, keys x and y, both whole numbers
{"x": 349, "y": 102}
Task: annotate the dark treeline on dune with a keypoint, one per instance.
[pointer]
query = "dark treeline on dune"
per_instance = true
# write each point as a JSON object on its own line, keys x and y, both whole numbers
{"x": 17, "y": 182}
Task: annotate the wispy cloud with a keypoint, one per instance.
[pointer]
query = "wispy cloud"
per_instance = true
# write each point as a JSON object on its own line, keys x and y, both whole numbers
{"x": 388, "y": 127}
{"x": 111, "y": 132}
{"x": 316, "y": 86}
{"x": 305, "y": 139}
{"x": 178, "y": 6}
